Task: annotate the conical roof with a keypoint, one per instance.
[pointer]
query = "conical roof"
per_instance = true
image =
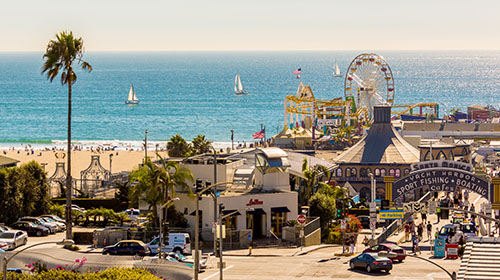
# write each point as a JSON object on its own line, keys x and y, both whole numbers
{"x": 382, "y": 144}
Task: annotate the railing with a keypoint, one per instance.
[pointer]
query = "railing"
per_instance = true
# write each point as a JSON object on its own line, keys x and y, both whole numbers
{"x": 394, "y": 225}
{"x": 274, "y": 235}
{"x": 313, "y": 225}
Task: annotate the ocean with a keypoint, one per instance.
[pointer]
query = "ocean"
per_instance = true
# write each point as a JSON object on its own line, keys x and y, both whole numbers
{"x": 190, "y": 93}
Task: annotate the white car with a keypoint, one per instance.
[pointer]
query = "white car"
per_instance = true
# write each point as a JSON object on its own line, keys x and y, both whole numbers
{"x": 60, "y": 226}
{"x": 14, "y": 238}
{"x": 133, "y": 214}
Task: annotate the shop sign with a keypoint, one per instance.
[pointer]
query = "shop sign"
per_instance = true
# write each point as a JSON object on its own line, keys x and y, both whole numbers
{"x": 255, "y": 202}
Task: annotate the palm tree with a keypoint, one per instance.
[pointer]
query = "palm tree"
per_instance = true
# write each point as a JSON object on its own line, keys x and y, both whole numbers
{"x": 178, "y": 147}
{"x": 60, "y": 55}
{"x": 312, "y": 175}
{"x": 152, "y": 183}
{"x": 200, "y": 144}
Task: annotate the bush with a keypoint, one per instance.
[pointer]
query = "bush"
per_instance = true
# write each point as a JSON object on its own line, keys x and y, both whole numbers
{"x": 110, "y": 273}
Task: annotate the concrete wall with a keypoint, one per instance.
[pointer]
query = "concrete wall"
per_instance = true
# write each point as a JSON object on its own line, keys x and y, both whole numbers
{"x": 313, "y": 239}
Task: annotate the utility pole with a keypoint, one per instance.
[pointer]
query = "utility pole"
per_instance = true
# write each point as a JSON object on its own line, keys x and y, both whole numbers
{"x": 232, "y": 141}
{"x": 145, "y": 145}
{"x": 221, "y": 268}
{"x": 110, "y": 173}
{"x": 214, "y": 191}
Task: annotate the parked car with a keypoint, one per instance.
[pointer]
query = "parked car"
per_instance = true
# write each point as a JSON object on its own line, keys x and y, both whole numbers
{"x": 389, "y": 247}
{"x": 60, "y": 226}
{"x": 4, "y": 245}
{"x": 451, "y": 233}
{"x": 181, "y": 258}
{"x": 127, "y": 247}
{"x": 133, "y": 214}
{"x": 4, "y": 228}
{"x": 31, "y": 228}
{"x": 177, "y": 242}
{"x": 14, "y": 238}
{"x": 52, "y": 227}
{"x": 55, "y": 218}
{"x": 468, "y": 229}
{"x": 371, "y": 262}
{"x": 79, "y": 209}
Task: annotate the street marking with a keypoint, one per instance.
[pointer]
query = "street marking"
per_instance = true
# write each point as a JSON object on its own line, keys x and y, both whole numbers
{"x": 218, "y": 272}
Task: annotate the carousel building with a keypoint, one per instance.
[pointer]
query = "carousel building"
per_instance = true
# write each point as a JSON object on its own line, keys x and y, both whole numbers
{"x": 382, "y": 152}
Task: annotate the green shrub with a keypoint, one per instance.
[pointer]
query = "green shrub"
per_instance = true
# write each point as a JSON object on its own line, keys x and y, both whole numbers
{"x": 110, "y": 273}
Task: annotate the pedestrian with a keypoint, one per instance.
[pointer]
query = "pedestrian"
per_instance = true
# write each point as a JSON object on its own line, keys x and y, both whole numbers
{"x": 424, "y": 216}
{"x": 438, "y": 213}
{"x": 94, "y": 239}
{"x": 412, "y": 228}
{"x": 420, "y": 230}
{"x": 129, "y": 234}
{"x": 407, "y": 232}
{"x": 429, "y": 230}
{"x": 415, "y": 246}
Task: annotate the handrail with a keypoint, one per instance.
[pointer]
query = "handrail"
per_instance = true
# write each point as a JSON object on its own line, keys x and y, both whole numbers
{"x": 277, "y": 238}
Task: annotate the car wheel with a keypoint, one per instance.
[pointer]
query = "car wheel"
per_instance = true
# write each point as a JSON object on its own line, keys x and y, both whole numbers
{"x": 178, "y": 251}
{"x": 400, "y": 261}
{"x": 351, "y": 264}
{"x": 368, "y": 268}
{"x": 104, "y": 252}
{"x": 388, "y": 271}
{"x": 39, "y": 233}
{"x": 25, "y": 241}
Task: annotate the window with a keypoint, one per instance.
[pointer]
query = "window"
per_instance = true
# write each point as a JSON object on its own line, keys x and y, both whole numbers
{"x": 407, "y": 171}
{"x": 428, "y": 156}
{"x": 362, "y": 172}
{"x": 380, "y": 193}
{"x": 450, "y": 156}
{"x": 365, "y": 193}
{"x": 377, "y": 172}
{"x": 382, "y": 172}
{"x": 391, "y": 172}
{"x": 339, "y": 172}
{"x": 441, "y": 155}
{"x": 348, "y": 172}
{"x": 397, "y": 173}
{"x": 368, "y": 171}
{"x": 353, "y": 172}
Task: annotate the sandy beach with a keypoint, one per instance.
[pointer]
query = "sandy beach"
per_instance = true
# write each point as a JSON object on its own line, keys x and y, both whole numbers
{"x": 80, "y": 160}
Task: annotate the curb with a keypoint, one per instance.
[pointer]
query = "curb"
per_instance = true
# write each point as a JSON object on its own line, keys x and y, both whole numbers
{"x": 301, "y": 253}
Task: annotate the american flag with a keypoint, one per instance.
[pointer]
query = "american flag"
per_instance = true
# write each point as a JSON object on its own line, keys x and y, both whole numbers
{"x": 260, "y": 134}
{"x": 298, "y": 71}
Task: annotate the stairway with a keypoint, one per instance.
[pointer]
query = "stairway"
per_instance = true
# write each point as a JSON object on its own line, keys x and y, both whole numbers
{"x": 481, "y": 261}
{"x": 242, "y": 179}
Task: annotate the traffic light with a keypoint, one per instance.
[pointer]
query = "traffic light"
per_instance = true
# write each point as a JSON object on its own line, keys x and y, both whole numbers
{"x": 339, "y": 211}
{"x": 199, "y": 186}
{"x": 384, "y": 204}
{"x": 165, "y": 232}
{"x": 217, "y": 249}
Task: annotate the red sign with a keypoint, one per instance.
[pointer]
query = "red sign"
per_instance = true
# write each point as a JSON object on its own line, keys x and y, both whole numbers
{"x": 255, "y": 202}
{"x": 301, "y": 219}
{"x": 452, "y": 251}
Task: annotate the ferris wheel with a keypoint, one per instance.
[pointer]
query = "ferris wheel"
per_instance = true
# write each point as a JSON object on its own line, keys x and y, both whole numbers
{"x": 369, "y": 81}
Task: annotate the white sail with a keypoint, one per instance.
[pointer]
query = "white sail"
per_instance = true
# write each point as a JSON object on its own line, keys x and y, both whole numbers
{"x": 131, "y": 93}
{"x": 337, "y": 70}
{"x": 132, "y": 97}
{"x": 240, "y": 86}
{"x": 236, "y": 82}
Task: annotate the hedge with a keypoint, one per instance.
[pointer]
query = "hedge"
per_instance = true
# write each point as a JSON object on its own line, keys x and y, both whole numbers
{"x": 89, "y": 203}
{"x": 110, "y": 273}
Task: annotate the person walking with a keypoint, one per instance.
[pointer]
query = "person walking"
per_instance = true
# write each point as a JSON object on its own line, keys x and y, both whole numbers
{"x": 416, "y": 246}
{"x": 429, "y": 231}
{"x": 407, "y": 232}
{"x": 438, "y": 213}
{"x": 424, "y": 216}
{"x": 353, "y": 243}
{"x": 420, "y": 231}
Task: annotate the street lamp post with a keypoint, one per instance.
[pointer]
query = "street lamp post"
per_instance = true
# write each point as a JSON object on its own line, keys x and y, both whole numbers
{"x": 161, "y": 218}
{"x": 64, "y": 242}
{"x": 373, "y": 185}
{"x": 110, "y": 160}
{"x": 145, "y": 145}
{"x": 232, "y": 139}
{"x": 214, "y": 190}
{"x": 197, "y": 221}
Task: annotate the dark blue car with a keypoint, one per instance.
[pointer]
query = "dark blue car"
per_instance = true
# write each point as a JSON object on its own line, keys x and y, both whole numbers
{"x": 127, "y": 247}
{"x": 371, "y": 262}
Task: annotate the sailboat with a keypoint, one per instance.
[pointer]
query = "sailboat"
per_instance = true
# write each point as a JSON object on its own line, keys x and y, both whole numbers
{"x": 336, "y": 73}
{"x": 132, "y": 98}
{"x": 238, "y": 87}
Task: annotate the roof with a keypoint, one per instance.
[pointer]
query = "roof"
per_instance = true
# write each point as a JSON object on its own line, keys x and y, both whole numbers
{"x": 382, "y": 144}
{"x": 7, "y": 161}
{"x": 296, "y": 160}
{"x": 273, "y": 152}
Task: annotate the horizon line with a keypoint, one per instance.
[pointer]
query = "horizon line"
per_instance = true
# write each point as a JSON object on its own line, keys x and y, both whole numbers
{"x": 312, "y": 50}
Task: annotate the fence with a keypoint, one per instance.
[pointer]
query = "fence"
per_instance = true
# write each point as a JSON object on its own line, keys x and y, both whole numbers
{"x": 313, "y": 225}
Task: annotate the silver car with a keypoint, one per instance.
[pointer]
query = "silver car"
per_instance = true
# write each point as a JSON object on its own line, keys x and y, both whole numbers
{"x": 52, "y": 227}
{"x": 60, "y": 226}
{"x": 14, "y": 238}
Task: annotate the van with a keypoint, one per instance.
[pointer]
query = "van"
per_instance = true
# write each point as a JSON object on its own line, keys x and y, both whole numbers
{"x": 133, "y": 214}
{"x": 177, "y": 242}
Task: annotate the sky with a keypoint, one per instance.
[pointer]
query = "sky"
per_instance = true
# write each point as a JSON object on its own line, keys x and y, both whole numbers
{"x": 221, "y": 25}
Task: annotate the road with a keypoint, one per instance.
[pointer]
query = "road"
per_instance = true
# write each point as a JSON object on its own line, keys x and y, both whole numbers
{"x": 321, "y": 264}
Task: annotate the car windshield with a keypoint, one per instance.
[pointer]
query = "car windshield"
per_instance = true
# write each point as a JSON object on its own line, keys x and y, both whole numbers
{"x": 7, "y": 235}
{"x": 467, "y": 228}
{"x": 48, "y": 219}
{"x": 444, "y": 231}
{"x": 377, "y": 257}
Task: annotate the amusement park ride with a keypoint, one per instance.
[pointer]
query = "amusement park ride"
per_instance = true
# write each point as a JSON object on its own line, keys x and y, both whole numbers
{"x": 368, "y": 82}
